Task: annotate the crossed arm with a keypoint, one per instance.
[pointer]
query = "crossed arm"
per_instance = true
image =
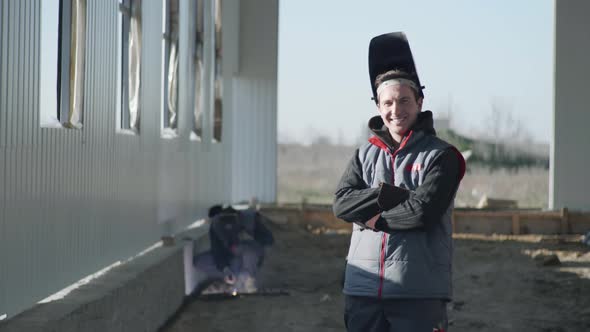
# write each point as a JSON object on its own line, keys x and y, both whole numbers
{"x": 389, "y": 208}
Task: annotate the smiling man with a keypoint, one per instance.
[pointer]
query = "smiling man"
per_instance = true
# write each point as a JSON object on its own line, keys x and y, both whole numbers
{"x": 398, "y": 190}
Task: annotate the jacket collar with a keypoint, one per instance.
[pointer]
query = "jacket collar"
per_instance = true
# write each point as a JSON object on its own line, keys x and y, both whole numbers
{"x": 382, "y": 139}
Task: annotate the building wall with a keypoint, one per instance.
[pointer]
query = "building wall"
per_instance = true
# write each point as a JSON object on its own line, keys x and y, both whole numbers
{"x": 75, "y": 201}
{"x": 255, "y": 98}
{"x": 569, "y": 180}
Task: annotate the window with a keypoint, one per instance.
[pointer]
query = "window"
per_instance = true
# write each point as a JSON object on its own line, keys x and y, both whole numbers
{"x": 170, "y": 63}
{"x": 129, "y": 70}
{"x": 218, "y": 104}
{"x": 198, "y": 54}
{"x": 63, "y": 45}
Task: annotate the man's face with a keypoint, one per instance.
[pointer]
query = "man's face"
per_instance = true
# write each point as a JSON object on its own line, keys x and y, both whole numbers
{"x": 399, "y": 109}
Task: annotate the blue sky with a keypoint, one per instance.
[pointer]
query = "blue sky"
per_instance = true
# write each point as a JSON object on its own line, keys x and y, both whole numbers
{"x": 468, "y": 54}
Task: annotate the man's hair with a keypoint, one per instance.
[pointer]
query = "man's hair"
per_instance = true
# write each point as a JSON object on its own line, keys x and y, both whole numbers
{"x": 393, "y": 74}
{"x": 215, "y": 210}
{"x": 218, "y": 209}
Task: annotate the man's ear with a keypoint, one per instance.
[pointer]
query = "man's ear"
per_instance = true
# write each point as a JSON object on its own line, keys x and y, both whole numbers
{"x": 419, "y": 102}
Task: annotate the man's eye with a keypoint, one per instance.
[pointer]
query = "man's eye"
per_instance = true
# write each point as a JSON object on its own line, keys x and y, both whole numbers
{"x": 404, "y": 101}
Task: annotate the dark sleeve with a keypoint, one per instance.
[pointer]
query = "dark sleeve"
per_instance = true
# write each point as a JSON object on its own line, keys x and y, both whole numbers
{"x": 262, "y": 235}
{"x": 221, "y": 253}
{"x": 354, "y": 200}
{"x": 428, "y": 202}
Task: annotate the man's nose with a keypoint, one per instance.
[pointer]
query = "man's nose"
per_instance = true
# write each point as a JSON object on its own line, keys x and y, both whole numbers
{"x": 395, "y": 108}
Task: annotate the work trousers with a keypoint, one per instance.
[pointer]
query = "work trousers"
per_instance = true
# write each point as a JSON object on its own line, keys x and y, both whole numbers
{"x": 243, "y": 264}
{"x": 369, "y": 314}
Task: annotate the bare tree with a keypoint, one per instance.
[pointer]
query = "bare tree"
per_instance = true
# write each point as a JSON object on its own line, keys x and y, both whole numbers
{"x": 504, "y": 129}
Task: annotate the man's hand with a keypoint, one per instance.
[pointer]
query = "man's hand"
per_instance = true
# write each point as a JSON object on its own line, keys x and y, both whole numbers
{"x": 228, "y": 276}
{"x": 371, "y": 222}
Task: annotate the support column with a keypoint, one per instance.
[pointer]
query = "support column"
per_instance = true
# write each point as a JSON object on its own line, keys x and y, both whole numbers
{"x": 569, "y": 184}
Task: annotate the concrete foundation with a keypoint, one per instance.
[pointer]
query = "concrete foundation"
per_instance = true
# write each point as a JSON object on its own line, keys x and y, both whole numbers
{"x": 140, "y": 295}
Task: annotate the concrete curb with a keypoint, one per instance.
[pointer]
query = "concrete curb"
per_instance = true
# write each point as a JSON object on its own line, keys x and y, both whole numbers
{"x": 140, "y": 295}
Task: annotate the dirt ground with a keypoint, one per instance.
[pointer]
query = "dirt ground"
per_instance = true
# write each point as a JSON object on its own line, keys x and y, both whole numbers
{"x": 500, "y": 284}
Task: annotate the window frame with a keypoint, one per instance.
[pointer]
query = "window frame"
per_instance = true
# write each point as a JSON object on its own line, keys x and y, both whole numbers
{"x": 217, "y": 124}
{"x": 125, "y": 17}
{"x": 168, "y": 37}
{"x": 198, "y": 77}
{"x": 52, "y": 84}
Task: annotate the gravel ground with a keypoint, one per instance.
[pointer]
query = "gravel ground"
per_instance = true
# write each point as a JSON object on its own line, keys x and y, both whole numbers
{"x": 500, "y": 284}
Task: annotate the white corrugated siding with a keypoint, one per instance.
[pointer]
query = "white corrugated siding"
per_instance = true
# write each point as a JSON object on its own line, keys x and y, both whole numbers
{"x": 254, "y": 123}
{"x": 255, "y": 119}
{"x": 75, "y": 201}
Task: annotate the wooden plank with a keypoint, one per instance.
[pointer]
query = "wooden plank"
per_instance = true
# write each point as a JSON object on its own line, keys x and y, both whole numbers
{"x": 579, "y": 222}
{"x": 565, "y": 223}
{"x": 467, "y": 220}
{"x": 497, "y": 204}
{"x": 505, "y": 214}
{"x": 515, "y": 224}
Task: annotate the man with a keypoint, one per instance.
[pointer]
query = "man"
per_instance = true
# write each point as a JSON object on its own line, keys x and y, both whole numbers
{"x": 238, "y": 239}
{"x": 398, "y": 191}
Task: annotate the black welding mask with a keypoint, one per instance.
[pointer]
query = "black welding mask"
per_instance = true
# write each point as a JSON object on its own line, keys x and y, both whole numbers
{"x": 391, "y": 51}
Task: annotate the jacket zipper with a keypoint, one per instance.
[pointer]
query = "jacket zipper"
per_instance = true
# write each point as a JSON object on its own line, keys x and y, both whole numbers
{"x": 385, "y": 236}
{"x": 382, "y": 263}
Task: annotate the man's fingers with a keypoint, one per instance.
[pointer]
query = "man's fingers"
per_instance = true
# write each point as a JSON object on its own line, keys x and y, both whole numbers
{"x": 371, "y": 222}
{"x": 229, "y": 279}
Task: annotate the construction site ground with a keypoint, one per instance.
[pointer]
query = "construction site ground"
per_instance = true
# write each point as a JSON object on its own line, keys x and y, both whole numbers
{"x": 501, "y": 283}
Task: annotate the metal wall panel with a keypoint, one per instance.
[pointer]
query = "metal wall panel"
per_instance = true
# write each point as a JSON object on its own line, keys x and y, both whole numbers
{"x": 255, "y": 143}
{"x": 254, "y": 117}
{"x": 75, "y": 201}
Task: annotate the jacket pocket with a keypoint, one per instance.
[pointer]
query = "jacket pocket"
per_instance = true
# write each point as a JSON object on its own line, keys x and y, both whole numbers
{"x": 409, "y": 246}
